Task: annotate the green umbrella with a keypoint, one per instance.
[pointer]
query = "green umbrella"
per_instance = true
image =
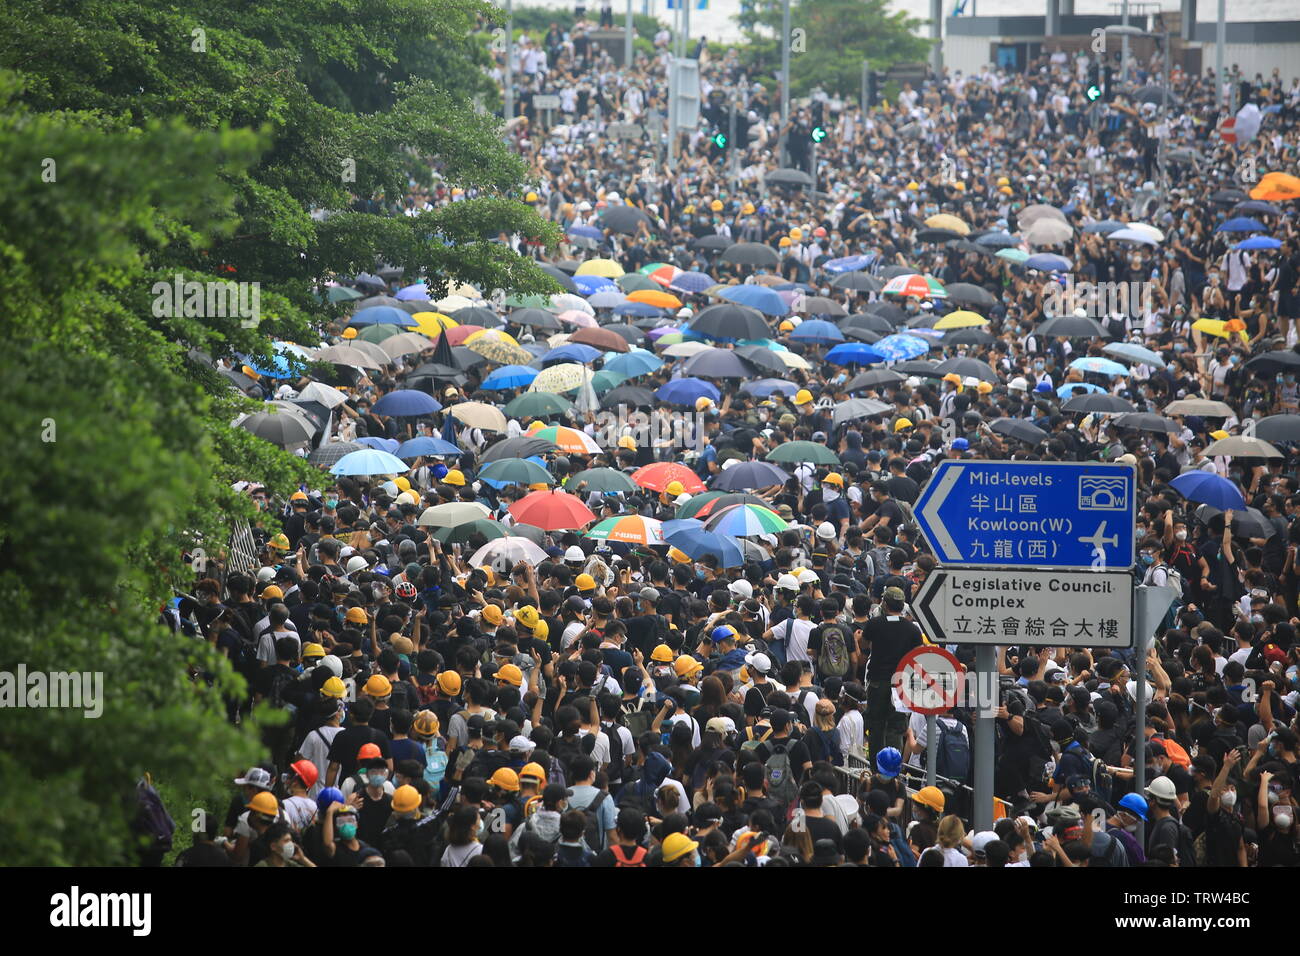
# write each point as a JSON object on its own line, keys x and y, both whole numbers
{"x": 647, "y": 269}
{"x": 633, "y": 282}
{"x": 518, "y": 471}
{"x": 341, "y": 293}
{"x": 1012, "y": 255}
{"x": 377, "y": 333}
{"x": 461, "y": 533}
{"x": 668, "y": 338}
{"x": 796, "y": 451}
{"x": 606, "y": 379}
{"x": 536, "y": 405}
{"x": 692, "y": 508}
{"x": 604, "y": 480}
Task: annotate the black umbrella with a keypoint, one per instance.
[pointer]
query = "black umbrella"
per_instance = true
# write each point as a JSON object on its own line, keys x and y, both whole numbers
{"x": 1282, "y": 360}
{"x": 889, "y": 272}
{"x": 375, "y": 300}
{"x": 565, "y": 281}
{"x": 624, "y": 219}
{"x": 967, "y": 366}
{"x": 1147, "y": 422}
{"x": 861, "y": 334}
{"x": 537, "y": 318}
{"x": 1098, "y": 402}
{"x": 857, "y": 281}
{"x": 1250, "y": 523}
{"x": 279, "y": 427}
{"x": 750, "y": 254}
{"x": 964, "y": 293}
{"x": 874, "y": 321}
{"x": 716, "y": 363}
{"x": 568, "y": 265}
{"x": 730, "y": 321}
{"x": 633, "y": 395}
{"x": 1278, "y": 428}
{"x": 633, "y": 335}
{"x": 438, "y": 372}
{"x": 317, "y": 412}
{"x": 922, "y": 367}
{"x": 1229, "y": 196}
{"x": 530, "y": 531}
{"x": 763, "y": 357}
{"x": 522, "y": 446}
{"x": 892, "y": 311}
{"x": 713, "y": 243}
{"x": 965, "y": 245}
{"x": 1073, "y": 326}
{"x": 1019, "y": 430}
{"x": 1255, "y": 207}
{"x": 874, "y": 378}
{"x": 463, "y": 357}
{"x": 365, "y": 280}
{"x": 331, "y": 452}
{"x": 788, "y": 177}
{"x": 857, "y": 408}
{"x": 937, "y": 235}
{"x": 238, "y": 379}
{"x": 970, "y": 336}
{"x": 477, "y": 315}
{"x": 749, "y": 475}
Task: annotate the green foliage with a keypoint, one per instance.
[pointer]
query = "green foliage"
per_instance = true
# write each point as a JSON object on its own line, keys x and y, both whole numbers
{"x": 535, "y": 21}
{"x": 838, "y": 35}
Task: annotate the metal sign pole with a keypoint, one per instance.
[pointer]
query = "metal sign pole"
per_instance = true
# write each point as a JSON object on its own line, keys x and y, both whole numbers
{"x": 1139, "y": 732}
{"x": 985, "y": 741}
{"x": 931, "y": 749}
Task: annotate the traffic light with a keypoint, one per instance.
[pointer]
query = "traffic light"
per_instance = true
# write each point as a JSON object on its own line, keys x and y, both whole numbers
{"x": 874, "y": 85}
{"x": 1094, "y": 91}
{"x": 1105, "y": 83}
{"x": 818, "y": 131}
{"x": 719, "y": 141}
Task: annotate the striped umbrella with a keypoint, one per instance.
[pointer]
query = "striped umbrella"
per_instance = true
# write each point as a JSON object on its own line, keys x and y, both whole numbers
{"x": 740, "y": 521}
{"x": 631, "y": 529}
{"x": 571, "y": 440}
{"x": 920, "y": 286}
{"x": 330, "y": 453}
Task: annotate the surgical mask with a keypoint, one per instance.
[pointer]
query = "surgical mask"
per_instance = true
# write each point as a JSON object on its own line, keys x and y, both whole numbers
{"x": 331, "y": 502}
{"x": 287, "y": 850}
{"x": 1180, "y": 535}
{"x": 1228, "y": 798}
{"x": 377, "y": 779}
{"x": 1148, "y": 559}
{"x": 1282, "y": 818}
{"x": 347, "y": 830}
{"x": 1130, "y": 828}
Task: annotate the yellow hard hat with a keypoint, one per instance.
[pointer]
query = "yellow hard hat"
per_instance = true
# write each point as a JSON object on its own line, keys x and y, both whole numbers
{"x": 681, "y": 557}
{"x": 312, "y": 650}
{"x": 1005, "y": 190}
{"x": 584, "y": 582}
{"x": 356, "y": 615}
{"x": 531, "y": 197}
{"x": 716, "y": 205}
{"x": 959, "y": 186}
{"x": 378, "y": 686}
{"x": 298, "y": 496}
{"x": 333, "y": 687}
{"x": 901, "y": 424}
{"x": 834, "y": 478}
{"x": 674, "y": 488}
{"x": 747, "y": 209}
{"x": 703, "y": 402}
{"x": 528, "y": 616}
{"x": 405, "y": 799}
{"x": 914, "y": 186}
{"x": 349, "y": 333}
{"x": 686, "y": 665}
{"x": 538, "y": 486}
{"x": 532, "y": 771}
{"x": 1003, "y": 181}
{"x": 689, "y": 208}
{"x": 506, "y": 779}
{"x": 1219, "y": 435}
{"x": 983, "y": 388}
{"x": 511, "y": 674}
{"x": 402, "y": 482}
{"x": 426, "y": 724}
{"x": 676, "y": 846}
{"x": 931, "y": 797}
{"x": 785, "y": 241}
{"x": 627, "y": 441}
{"x": 796, "y": 233}
{"x": 954, "y": 378}
{"x": 802, "y": 397}
{"x": 786, "y": 326}
{"x": 454, "y": 477}
{"x": 264, "y": 802}
{"x": 280, "y": 542}
{"x": 662, "y": 654}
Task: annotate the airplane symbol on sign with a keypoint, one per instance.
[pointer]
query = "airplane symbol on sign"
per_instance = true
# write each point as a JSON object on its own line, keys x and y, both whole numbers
{"x": 1098, "y": 538}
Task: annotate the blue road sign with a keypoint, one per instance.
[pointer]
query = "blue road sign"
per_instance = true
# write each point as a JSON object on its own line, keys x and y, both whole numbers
{"x": 1030, "y": 514}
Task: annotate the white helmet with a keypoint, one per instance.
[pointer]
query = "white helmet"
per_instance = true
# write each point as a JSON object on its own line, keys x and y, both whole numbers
{"x": 332, "y": 664}
{"x": 1162, "y": 789}
{"x": 1018, "y": 384}
{"x": 741, "y": 589}
{"x": 356, "y": 563}
{"x": 265, "y": 574}
{"x": 575, "y": 553}
{"x": 681, "y": 499}
{"x": 787, "y": 582}
{"x": 826, "y": 531}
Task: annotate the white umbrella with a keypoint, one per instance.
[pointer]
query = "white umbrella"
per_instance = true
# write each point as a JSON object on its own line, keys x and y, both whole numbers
{"x": 1247, "y": 125}
{"x": 1047, "y": 231}
{"x": 452, "y": 514}
{"x": 567, "y": 301}
{"x": 1150, "y": 230}
{"x": 347, "y": 355}
{"x": 502, "y": 554}
{"x": 1134, "y": 235}
{"x": 327, "y": 395}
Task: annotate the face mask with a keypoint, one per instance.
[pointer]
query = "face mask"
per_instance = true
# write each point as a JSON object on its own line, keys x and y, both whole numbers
{"x": 1038, "y": 366}
{"x": 1148, "y": 559}
{"x": 1130, "y": 828}
{"x": 331, "y": 502}
{"x": 1180, "y": 535}
{"x": 697, "y": 860}
{"x": 1228, "y": 798}
{"x": 377, "y": 779}
{"x": 1282, "y": 819}
{"x": 287, "y": 850}
{"x": 347, "y": 830}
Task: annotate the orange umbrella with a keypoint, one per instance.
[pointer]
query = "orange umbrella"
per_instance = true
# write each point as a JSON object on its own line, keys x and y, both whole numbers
{"x": 552, "y": 511}
{"x": 1277, "y": 187}
{"x": 660, "y": 300}
{"x": 661, "y": 474}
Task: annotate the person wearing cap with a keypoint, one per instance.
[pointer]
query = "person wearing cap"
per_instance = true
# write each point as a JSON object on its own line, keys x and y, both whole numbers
{"x": 886, "y": 639}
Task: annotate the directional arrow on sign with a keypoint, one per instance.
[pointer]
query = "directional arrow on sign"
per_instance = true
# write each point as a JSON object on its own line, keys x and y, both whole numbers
{"x": 930, "y": 625}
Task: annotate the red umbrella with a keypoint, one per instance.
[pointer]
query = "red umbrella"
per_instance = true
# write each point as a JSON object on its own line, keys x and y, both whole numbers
{"x": 460, "y": 333}
{"x": 599, "y": 339}
{"x": 661, "y": 474}
{"x": 552, "y": 511}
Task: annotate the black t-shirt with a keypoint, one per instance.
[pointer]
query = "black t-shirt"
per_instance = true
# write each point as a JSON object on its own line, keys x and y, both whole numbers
{"x": 345, "y": 857}
{"x": 372, "y": 816}
{"x": 349, "y": 741}
{"x": 797, "y": 751}
{"x": 204, "y": 854}
{"x": 888, "y": 639}
{"x": 819, "y": 828}
{"x": 265, "y": 678}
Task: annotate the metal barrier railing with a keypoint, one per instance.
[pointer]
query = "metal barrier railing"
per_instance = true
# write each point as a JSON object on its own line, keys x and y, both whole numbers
{"x": 856, "y": 775}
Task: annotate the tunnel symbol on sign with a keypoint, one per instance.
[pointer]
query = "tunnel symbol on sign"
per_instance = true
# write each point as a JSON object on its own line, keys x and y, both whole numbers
{"x": 1103, "y": 494}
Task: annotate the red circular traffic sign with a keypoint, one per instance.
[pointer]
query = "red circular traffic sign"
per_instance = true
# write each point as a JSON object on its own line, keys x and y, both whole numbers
{"x": 929, "y": 679}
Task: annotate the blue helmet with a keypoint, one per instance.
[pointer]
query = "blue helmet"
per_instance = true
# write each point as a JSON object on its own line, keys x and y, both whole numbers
{"x": 328, "y": 796}
{"x": 722, "y": 633}
{"x": 889, "y": 762}
{"x": 1135, "y": 804}
{"x": 960, "y": 444}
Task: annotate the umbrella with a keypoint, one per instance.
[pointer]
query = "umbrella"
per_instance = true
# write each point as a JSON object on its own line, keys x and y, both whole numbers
{"x": 369, "y": 461}
{"x": 521, "y": 446}
{"x": 591, "y": 286}
{"x": 1210, "y": 489}
{"x": 870, "y": 321}
{"x": 794, "y": 452}
{"x": 279, "y": 428}
{"x": 607, "y": 481}
{"x": 451, "y": 514}
{"x": 730, "y": 321}
{"x": 380, "y": 315}
{"x": 1222, "y": 328}
{"x": 1134, "y": 235}
{"x": 1277, "y": 187}
{"x": 661, "y": 474}
{"x": 633, "y": 363}
{"x": 1147, "y": 422}
{"x": 561, "y": 378}
{"x": 499, "y": 352}
{"x": 793, "y": 360}
{"x": 1073, "y": 326}
{"x": 389, "y": 445}
{"x": 326, "y": 395}
{"x": 1098, "y": 402}
{"x": 853, "y": 353}
{"x": 427, "y": 447}
{"x": 378, "y": 333}
{"x": 585, "y": 232}
{"x": 631, "y": 395}
{"x": 1018, "y": 256}
{"x": 1241, "y": 224}
{"x": 763, "y": 357}
{"x": 1227, "y": 196}
{"x": 967, "y": 367}
{"x": 968, "y": 337}
{"x": 764, "y": 387}
{"x": 605, "y": 268}
{"x": 848, "y": 264}
{"x": 464, "y": 533}
{"x": 716, "y": 363}
{"x": 331, "y": 452}
{"x": 1259, "y": 242}
{"x": 1199, "y": 406}
{"x": 1280, "y": 360}
{"x": 1036, "y": 211}
{"x": 874, "y": 378}
{"x": 509, "y": 376}
{"x": 516, "y": 471}
{"x": 1019, "y": 430}
{"x": 461, "y": 333}
{"x": 624, "y": 219}
{"x": 1048, "y": 262}
{"x": 997, "y": 240}
{"x": 964, "y": 293}
{"x": 692, "y": 282}
{"x": 856, "y": 408}
{"x": 749, "y": 475}
{"x": 1256, "y": 207}
{"x": 1283, "y": 428}
{"x": 656, "y": 298}
{"x": 681, "y": 349}
{"x": 566, "y": 283}
{"x": 404, "y": 343}
{"x": 739, "y": 521}
{"x": 552, "y": 511}
{"x": 406, "y": 403}
{"x": 948, "y": 221}
{"x": 899, "y": 346}
{"x": 571, "y": 441}
{"x": 857, "y": 281}
{"x": 604, "y": 339}
{"x": 1046, "y": 232}
{"x": 696, "y": 542}
{"x": 750, "y": 254}
{"x": 912, "y": 284}
{"x": 1097, "y": 365}
{"x": 756, "y": 297}
{"x": 1104, "y": 227}
{"x": 631, "y": 334}
{"x": 503, "y": 554}
{"x": 819, "y": 332}
{"x": 1134, "y": 353}
{"x": 788, "y": 177}
{"x": 480, "y": 415}
{"x": 1070, "y": 389}
{"x": 537, "y": 318}
{"x": 891, "y": 311}
{"x": 537, "y": 405}
{"x": 960, "y": 319}
{"x": 685, "y": 391}
{"x": 341, "y": 293}
{"x": 582, "y": 354}
{"x": 1242, "y": 446}
{"x": 348, "y": 355}
{"x": 711, "y": 243}
{"x": 937, "y": 236}
{"x": 630, "y": 529}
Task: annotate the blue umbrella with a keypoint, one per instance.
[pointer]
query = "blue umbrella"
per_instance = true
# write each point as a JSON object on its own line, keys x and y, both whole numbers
{"x": 1260, "y": 242}
{"x": 639, "y": 309}
{"x": 1048, "y": 262}
{"x": 427, "y": 446}
{"x": 1135, "y": 353}
{"x": 693, "y": 282}
{"x": 1078, "y": 388}
{"x": 1099, "y": 366}
{"x": 574, "y": 352}
{"x": 406, "y": 402}
{"x": 848, "y": 264}
{"x": 756, "y": 297}
{"x": 1241, "y": 224}
{"x": 389, "y": 445}
{"x": 697, "y": 542}
{"x": 766, "y": 386}
{"x": 278, "y": 367}
{"x": 509, "y": 376}
{"x": 1105, "y": 227}
{"x": 633, "y": 362}
{"x": 853, "y": 353}
{"x": 586, "y": 232}
{"x": 997, "y": 240}
{"x": 381, "y": 315}
{"x": 606, "y": 298}
{"x": 1209, "y": 488}
{"x": 418, "y": 291}
{"x": 818, "y": 331}
{"x": 685, "y": 391}
{"x": 369, "y": 461}
{"x": 590, "y": 285}
{"x": 898, "y": 346}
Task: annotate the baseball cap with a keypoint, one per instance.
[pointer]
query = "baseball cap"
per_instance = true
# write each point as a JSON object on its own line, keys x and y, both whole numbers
{"x": 759, "y": 662}
{"x": 256, "y": 777}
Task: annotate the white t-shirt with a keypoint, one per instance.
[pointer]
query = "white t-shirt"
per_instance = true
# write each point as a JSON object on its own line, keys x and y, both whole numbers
{"x": 852, "y": 733}
{"x": 349, "y": 786}
{"x": 599, "y": 753}
{"x": 301, "y": 811}
{"x": 316, "y": 748}
{"x": 954, "y": 857}
{"x": 796, "y": 634}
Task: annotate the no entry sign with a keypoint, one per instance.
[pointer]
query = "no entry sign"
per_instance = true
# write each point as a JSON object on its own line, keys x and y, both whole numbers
{"x": 929, "y": 680}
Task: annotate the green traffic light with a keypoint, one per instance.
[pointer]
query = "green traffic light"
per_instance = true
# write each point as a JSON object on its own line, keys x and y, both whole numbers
{"x": 720, "y": 140}
{"x": 818, "y": 134}
{"x": 1094, "y": 92}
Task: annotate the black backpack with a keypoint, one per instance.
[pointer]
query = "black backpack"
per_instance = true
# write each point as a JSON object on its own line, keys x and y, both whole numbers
{"x": 833, "y": 658}
{"x": 616, "y": 755}
{"x": 1184, "y": 843}
{"x": 152, "y": 819}
{"x": 594, "y": 835}
{"x": 564, "y": 749}
{"x": 953, "y": 760}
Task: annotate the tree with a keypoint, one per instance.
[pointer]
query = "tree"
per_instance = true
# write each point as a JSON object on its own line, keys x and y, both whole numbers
{"x": 837, "y": 36}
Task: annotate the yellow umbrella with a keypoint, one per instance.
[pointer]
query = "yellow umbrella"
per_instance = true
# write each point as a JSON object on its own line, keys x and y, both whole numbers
{"x": 961, "y": 319}
{"x": 432, "y": 323}
{"x": 479, "y": 415}
{"x": 946, "y": 220}
{"x": 600, "y": 267}
{"x": 794, "y": 360}
{"x": 491, "y": 335}
{"x": 502, "y": 353}
{"x": 561, "y": 378}
{"x": 1221, "y": 328}
{"x": 660, "y": 300}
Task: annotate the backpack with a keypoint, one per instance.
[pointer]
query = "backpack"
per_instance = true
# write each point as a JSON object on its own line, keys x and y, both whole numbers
{"x": 426, "y": 694}
{"x": 152, "y": 819}
{"x": 616, "y": 755}
{"x": 831, "y": 745}
{"x": 594, "y": 836}
{"x": 752, "y": 742}
{"x": 659, "y": 629}
{"x": 276, "y": 695}
{"x": 779, "y": 775}
{"x": 435, "y": 762}
{"x": 1185, "y": 843}
{"x": 623, "y": 858}
{"x": 1114, "y": 856}
{"x": 637, "y": 721}
{"x": 953, "y": 759}
{"x": 564, "y": 749}
{"x": 833, "y": 658}
{"x": 1099, "y": 778}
